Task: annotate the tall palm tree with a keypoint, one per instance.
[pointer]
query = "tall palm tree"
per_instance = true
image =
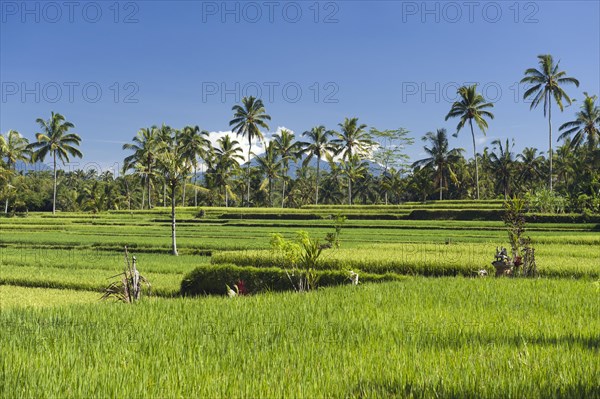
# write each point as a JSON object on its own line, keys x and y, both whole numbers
{"x": 440, "y": 157}
{"x": 353, "y": 168}
{"x": 14, "y": 148}
{"x": 55, "y": 140}
{"x": 195, "y": 143}
{"x": 289, "y": 150}
{"x": 247, "y": 121}
{"x": 228, "y": 157}
{"x": 173, "y": 162}
{"x": 531, "y": 164}
{"x": 353, "y": 139}
{"x": 318, "y": 146}
{"x": 502, "y": 164}
{"x": 269, "y": 165}
{"x": 586, "y": 126}
{"x": 144, "y": 157}
{"x": 547, "y": 83}
{"x": 472, "y": 106}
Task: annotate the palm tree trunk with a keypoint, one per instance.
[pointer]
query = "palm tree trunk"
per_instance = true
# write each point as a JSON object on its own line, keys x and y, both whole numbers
{"x": 149, "y": 192}
{"x": 226, "y": 197}
{"x": 283, "y": 173}
{"x": 349, "y": 191}
{"x": 271, "y": 192}
{"x": 195, "y": 187}
{"x": 550, "y": 137}
{"x": 173, "y": 232}
{"x": 6, "y": 203}
{"x": 317, "y": 190}
{"x": 164, "y": 194}
{"x": 248, "y": 167}
{"x": 143, "y": 195}
{"x": 441, "y": 186}
{"x": 183, "y": 197}
{"x": 54, "y": 194}
{"x": 475, "y": 155}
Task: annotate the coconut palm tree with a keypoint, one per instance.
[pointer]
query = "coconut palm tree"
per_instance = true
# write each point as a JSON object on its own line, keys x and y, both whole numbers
{"x": 353, "y": 139}
{"x": 269, "y": 165}
{"x": 472, "y": 106}
{"x": 502, "y": 164}
{"x": 353, "y": 168}
{"x": 172, "y": 159}
{"x": 440, "y": 157}
{"x": 288, "y": 151}
{"x": 586, "y": 126}
{"x": 143, "y": 159}
{"x": 14, "y": 148}
{"x": 531, "y": 165}
{"x": 195, "y": 143}
{"x": 228, "y": 155}
{"x": 247, "y": 121}
{"x": 55, "y": 140}
{"x": 318, "y": 146}
{"x": 547, "y": 82}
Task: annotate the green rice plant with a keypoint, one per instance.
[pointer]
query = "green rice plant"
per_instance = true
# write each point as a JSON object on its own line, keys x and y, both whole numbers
{"x": 419, "y": 337}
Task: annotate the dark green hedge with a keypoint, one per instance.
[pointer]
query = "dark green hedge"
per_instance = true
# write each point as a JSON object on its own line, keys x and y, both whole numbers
{"x": 496, "y": 215}
{"x": 213, "y": 279}
{"x": 271, "y": 216}
{"x": 458, "y": 214}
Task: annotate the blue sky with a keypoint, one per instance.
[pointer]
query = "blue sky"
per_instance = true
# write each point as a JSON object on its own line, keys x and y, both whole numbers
{"x": 114, "y": 69}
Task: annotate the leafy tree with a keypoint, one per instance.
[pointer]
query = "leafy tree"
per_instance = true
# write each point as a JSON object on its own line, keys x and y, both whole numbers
{"x": 289, "y": 150}
{"x": 440, "y": 157}
{"x": 196, "y": 144}
{"x": 546, "y": 85}
{"x": 55, "y": 140}
{"x": 142, "y": 161}
{"x": 227, "y": 157}
{"x": 172, "y": 159}
{"x": 353, "y": 168}
{"x": 586, "y": 126}
{"x": 472, "y": 106}
{"x": 389, "y": 153}
{"x": 13, "y": 148}
{"x": 353, "y": 139}
{"x": 502, "y": 164}
{"x": 247, "y": 121}
{"x": 530, "y": 167}
{"x": 269, "y": 165}
{"x": 353, "y": 143}
{"x": 318, "y": 146}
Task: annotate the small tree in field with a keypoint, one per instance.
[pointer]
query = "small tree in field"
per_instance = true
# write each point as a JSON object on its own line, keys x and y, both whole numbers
{"x": 172, "y": 160}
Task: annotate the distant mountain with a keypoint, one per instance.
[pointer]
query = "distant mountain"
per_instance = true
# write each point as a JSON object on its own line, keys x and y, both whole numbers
{"x": 374, "y": 168}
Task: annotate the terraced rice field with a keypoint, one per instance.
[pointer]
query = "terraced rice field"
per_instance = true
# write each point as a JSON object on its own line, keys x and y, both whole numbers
{"x": 450, "y": 336}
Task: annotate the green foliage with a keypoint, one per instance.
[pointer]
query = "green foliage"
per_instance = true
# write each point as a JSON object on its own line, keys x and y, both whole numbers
{"x": 214, "y": 279}
{"x": 545, "y": 201}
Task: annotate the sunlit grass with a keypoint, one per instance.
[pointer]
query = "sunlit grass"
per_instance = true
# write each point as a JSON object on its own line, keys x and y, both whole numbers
{"x": 449, "y": 337}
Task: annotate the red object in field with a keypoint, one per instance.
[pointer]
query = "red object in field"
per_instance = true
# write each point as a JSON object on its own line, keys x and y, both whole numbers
{"x": 518, "y": 261}
{"x": 241, "y": 286}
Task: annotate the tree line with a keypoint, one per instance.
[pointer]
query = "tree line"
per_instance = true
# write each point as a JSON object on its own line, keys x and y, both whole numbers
{"x": 350, "y": 164}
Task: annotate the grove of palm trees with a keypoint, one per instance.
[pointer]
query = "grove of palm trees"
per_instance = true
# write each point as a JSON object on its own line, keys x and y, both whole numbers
{"x": 351, "y": 163}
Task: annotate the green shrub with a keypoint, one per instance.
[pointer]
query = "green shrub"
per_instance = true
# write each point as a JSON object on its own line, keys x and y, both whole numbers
{"x": 214, "y": 279}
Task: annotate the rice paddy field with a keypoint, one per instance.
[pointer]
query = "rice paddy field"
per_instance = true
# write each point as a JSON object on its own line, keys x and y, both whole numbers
{"x": 438, "y": 331}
